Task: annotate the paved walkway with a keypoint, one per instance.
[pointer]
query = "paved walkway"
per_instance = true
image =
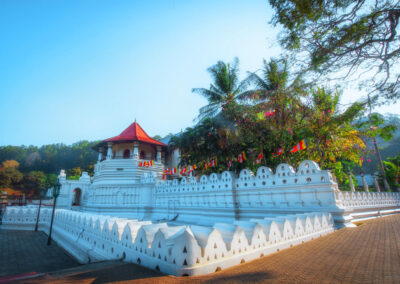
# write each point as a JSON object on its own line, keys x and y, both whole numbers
{"x": 26, "y": 252}
{"x": 369, "y": 253}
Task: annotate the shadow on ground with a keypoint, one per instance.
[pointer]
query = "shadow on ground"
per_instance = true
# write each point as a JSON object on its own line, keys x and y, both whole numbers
{"x": 246, "y": 277}
{"x": 117, "y": 274}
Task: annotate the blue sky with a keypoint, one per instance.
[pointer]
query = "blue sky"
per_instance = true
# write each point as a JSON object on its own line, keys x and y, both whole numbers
{"x": 74, "y": 70}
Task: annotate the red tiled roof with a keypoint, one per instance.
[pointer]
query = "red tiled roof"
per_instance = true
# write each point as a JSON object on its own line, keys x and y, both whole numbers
{"x": 134, "y": 133}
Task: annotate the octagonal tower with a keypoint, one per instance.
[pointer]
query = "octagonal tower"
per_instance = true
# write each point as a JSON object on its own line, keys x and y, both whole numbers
{"x": 127, "y": 157}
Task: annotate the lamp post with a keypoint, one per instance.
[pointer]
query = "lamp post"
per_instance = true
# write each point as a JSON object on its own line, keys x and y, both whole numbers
{"x": 42, "y": 193}
{"x": 56, "y": 193}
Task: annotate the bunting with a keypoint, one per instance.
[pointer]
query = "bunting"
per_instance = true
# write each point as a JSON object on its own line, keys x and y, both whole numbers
{"x": 146, "y": 164}
{"x": 213, "y": 162}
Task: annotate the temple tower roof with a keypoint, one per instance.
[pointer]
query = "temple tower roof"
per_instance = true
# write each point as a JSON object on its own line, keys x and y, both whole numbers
{"x": 133, "y": 133}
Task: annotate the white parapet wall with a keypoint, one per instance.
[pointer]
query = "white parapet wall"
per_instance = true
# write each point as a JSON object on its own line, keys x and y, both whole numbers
{"x": 226, "y": 197}
{"x": 177, "y": 250}
{"x": 356, "y": 206}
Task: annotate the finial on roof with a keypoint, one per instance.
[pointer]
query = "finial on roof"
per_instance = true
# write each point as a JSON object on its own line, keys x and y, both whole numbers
{"x": 135, "y": 119}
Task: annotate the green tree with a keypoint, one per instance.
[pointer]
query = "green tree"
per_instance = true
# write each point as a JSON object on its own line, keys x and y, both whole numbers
{"x": 32, "y": 182}
{"x": 274, "y": 91}
{"x": 295, "y": 112}
{"x": 223, "y": 91}
{"x": 74, "y": 173}
{"x": 392, "y": 169}
{"x": 10, "y": 176}
{"x": 341, "y": 35}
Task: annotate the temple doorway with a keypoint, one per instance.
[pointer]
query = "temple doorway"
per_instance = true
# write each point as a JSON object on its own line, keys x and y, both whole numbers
{"x": 127, "y": 154}
{"x": 77, "y": 197}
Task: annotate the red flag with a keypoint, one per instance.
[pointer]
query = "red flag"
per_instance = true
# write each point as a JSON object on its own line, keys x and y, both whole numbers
{"x": 279, "y": 152}
{"x": 183, "y": 170}
{"x": 269, "y": 113}
{"x": 242, "y": 157}
{"x": 302, "y": 145}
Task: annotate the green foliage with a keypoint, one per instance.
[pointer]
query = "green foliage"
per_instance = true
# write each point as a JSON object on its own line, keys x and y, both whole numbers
{"x": 387, "y": 148}
{"x": 224, "y": 90}
{"x": 330, "y": 36}
{"x": 32, "y": 182}
{"x": 51, "y": 179}
{"x": 51, "y": 158}
{"x": 375, "y": 126}
{"x": 74, "y": 172}
{"x": 27, "y": 169}
{"x": 299, "y": 112}
{"x": 10, "y": 176}
{"x": 392, "y": 170}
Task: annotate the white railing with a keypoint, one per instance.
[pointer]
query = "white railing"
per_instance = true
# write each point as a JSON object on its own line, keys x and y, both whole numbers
{"x": 367, "y": 199}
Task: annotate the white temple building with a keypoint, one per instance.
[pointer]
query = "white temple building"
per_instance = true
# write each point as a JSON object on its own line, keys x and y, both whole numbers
{"x": 193, "y": 226}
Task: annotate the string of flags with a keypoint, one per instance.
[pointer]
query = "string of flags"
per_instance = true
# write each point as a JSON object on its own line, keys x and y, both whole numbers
{"x": 146, "y": 164}
{"x": 213, "y": 162}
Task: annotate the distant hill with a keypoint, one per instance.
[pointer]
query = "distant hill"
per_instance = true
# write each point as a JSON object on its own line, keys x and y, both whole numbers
{"x": 51, "y": 158}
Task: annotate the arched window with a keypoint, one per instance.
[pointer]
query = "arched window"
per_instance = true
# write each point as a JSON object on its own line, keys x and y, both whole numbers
{"x": 127, "y": 153}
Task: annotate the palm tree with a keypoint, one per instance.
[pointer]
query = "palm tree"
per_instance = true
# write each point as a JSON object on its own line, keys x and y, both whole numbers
{"x": 275, "y": 90}
{"x": 225, "y": 89}
{"x": 274, "y": 79}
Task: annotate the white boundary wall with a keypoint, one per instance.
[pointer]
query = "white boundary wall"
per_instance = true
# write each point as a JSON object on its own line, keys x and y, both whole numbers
{"x": 225, "y": 197}
{"x": 178, "y": 250}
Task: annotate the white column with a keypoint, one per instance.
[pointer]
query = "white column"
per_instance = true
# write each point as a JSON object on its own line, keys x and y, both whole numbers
{"x": 109, "y": 150}
{"x": 377, "y": 188}
{"x": 158, "y": 157}
{"x": 100, "y": 154}
{"x": 351, "y": 183}
{"x": 365, "y": 185}
{"x": 136, "y": 150}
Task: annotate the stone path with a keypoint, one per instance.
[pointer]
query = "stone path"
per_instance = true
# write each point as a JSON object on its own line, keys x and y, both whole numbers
{"x": 369, "y": 253}
{"x": 25, "y": 252}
